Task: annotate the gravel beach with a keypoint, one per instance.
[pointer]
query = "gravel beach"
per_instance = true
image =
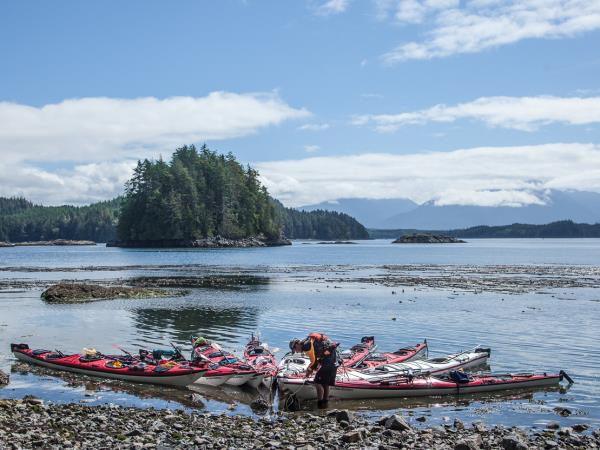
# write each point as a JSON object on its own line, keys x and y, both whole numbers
{"x": 32, "y": 423}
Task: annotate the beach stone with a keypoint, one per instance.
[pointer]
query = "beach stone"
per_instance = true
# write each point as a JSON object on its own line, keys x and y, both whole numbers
{"x": 553, "y": 426}
{"x": 397, "y": 422}
{"x": 458, "y": 424}
{"x": 580, "y": 427}
{"x": 550, "y": 444}
{"x": 469, "y": 444}
{"x": 421, "y": 419}
{"x": 565, "y": 412}
{"x": 352, "y": 437}
{"x": 513, "y": 442}
{"x": 479, "y": 427}
{"x": 344, "y": 415}
{"x": 4, "y": 378}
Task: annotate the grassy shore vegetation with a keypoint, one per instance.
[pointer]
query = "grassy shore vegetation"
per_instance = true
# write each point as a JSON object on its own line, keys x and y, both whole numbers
{"x": 198, "y": 194}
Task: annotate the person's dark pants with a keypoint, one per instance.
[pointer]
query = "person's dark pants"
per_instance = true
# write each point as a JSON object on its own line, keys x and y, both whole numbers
{"x": 324, "y": 378}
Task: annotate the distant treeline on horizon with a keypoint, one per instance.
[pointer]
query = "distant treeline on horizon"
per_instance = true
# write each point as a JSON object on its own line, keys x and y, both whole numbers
{"x": 559, "y": 229}
{"x": 197, "y": 194}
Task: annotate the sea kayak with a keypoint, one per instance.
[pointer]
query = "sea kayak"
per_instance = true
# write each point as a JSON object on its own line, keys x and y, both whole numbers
{"x": 463, "y": 360}
{"x": 433, "y": 366}
{"x": 225, "y": 368}
{"x": 375, "y": 359}
{"x": 426, "y": 385}
{"x": 360, "y": 356}
{"x": 258, "y": 355}
{"x": 117, "y": 367}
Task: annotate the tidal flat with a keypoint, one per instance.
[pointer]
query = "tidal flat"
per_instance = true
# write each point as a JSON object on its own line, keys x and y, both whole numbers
{"x": 541, "y": 314}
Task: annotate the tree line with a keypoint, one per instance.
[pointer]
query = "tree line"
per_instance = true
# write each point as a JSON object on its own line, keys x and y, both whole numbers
{"x": 198, "y": 194}
{"x": 559, "y": 229}
{"x": 21, "y": 220}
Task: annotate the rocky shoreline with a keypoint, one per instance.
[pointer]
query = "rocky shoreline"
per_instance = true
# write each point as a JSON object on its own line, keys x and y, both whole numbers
{"x": 60, "y": 242}
{"x": 425, "y": 238}
{"x": 31, "y": 423}
{"x": 66, "y": 292}
{"x": 211, "y": 242}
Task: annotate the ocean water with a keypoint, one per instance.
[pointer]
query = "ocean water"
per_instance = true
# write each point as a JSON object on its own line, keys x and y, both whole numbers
{"x": 543, "y": 329}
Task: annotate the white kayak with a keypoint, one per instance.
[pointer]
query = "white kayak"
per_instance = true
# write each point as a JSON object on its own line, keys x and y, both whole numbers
{"x": 432, "y": 366}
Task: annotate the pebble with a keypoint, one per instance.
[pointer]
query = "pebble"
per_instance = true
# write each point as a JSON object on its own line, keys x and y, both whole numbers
{"x": 28, "y": 423}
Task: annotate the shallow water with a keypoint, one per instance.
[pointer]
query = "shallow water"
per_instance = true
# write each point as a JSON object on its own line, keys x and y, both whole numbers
{"x": 548, "y": 330}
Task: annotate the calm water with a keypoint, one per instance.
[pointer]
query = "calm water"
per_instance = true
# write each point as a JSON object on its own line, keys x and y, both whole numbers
{"x": 549, "y": 330}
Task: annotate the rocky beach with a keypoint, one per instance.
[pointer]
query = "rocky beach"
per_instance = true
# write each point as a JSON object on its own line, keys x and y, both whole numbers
{"x": 33, "y": 423}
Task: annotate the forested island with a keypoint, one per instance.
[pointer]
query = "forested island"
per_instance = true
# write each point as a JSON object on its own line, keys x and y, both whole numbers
{"x": 198, "y": 195}
{"x": 560, "y": 229}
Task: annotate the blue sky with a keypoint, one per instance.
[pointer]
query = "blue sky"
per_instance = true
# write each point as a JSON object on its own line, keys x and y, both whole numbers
{"x": 302, "y": 86}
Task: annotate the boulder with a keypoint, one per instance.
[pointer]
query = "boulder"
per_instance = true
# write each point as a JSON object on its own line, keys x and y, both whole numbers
{"x": 513, "y": 442}
{"x": 397, "y": 423}
{"x": 352, "y": 437}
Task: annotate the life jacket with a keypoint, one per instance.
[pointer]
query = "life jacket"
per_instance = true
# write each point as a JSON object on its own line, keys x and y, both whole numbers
{"x": 321, "y": 348}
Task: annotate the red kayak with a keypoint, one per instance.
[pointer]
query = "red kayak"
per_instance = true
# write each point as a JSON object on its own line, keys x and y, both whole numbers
{"x": 118, "y": 367}
{"x": 258, "y": 355}
{"x": 404, "y": 354}
{"x": 226, "y": 368}
{"x": 423, "y": 386}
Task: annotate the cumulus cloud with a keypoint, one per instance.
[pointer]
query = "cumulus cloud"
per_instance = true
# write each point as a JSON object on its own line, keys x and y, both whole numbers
{"x": 490, "y": 176}
{"x": 478, "y": 25}
{"x": 81, "y": 184}
{"x": 332, "y": 7}
{"x": 99, "y": 137}
{"x": 521, "y": 113}
{"x": 314, "y": 127}
{"x": 311, "y": 148}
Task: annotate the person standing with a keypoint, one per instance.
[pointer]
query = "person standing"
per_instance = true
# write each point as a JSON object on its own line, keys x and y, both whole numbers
{"x": 323, "y": 359}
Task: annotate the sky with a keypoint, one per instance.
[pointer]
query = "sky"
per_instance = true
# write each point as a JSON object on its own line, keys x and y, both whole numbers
{"x": 477, "y": 102}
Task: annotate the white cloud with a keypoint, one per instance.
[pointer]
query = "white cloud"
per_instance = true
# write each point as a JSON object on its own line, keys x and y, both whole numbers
{"x": 333, "y": 7}
{"x": 509, "y": 176}
{"x": 521, "y": 113}
{"x": 483, "y": 24}
{"x": 99, "y": 137}
{"x": 82, "y": 184}
{"x": 314, "y": 127}
{"x": 311, "y": 148}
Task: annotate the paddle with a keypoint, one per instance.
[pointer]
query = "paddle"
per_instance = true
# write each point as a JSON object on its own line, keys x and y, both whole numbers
{"x": 122, "y": 349}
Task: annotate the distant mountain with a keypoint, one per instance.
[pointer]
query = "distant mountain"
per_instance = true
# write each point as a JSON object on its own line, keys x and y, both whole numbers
{"x": 372, "y": 213}
{"x": 582, "y": 207}
{"x": 578, "y": 206}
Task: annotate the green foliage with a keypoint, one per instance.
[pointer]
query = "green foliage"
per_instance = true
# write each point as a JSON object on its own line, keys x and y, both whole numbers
{"x": 319, "y": 224}
{"x": 198, "y": 194}
{"x": 21, "y": 220}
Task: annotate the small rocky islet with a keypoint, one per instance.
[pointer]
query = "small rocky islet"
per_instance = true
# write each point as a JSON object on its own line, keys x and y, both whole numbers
{"x": 32, "y": 423}
{"x": 426, "y": 238}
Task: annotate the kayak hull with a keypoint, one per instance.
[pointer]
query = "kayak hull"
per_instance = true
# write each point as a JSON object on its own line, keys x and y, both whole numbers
{"x": 213, "y": 380}
{"x": 167, "y": 380}
{"x": 427, "y": 387}
{"x": 240, "y": 379}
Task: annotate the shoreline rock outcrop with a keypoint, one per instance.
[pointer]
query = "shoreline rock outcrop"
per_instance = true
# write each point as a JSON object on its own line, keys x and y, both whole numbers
{"x": 210, "y": 242}
{"x": 80, "y": 292}
{"x": 426, "y": 238}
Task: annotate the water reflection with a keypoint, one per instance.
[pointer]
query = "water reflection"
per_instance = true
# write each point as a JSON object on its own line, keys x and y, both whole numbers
{"x": 224, "y": 324}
